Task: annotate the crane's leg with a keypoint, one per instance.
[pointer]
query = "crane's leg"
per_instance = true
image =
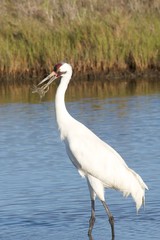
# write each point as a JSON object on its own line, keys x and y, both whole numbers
{"x": 111, "y": 219}
{"x": 92, "y": 218}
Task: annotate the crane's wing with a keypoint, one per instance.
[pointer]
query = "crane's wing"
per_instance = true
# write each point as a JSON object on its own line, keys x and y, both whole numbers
{"x": 94, "y": 157}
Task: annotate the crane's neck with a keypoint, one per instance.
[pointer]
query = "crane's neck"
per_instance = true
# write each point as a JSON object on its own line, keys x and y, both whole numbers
{"x": 62, "y": 116}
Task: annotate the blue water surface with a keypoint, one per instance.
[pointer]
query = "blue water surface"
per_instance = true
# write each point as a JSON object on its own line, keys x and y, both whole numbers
{"x": 42, "y": 196}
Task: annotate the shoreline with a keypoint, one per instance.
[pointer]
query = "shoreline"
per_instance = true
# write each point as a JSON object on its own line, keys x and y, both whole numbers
{"x": 33, "y": 77}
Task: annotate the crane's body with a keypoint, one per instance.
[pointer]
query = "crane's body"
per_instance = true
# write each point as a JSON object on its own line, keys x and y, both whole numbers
{"x": 95, "y": 160}
{"x": 104, "y": 165}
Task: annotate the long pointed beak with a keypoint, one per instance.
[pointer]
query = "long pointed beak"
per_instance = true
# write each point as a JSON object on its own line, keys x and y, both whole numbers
{"x": 51, "y": 76}
{"x": 41, "y": 90}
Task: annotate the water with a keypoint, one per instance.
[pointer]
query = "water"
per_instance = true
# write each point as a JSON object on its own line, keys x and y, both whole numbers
{"x": 41, "y": 194}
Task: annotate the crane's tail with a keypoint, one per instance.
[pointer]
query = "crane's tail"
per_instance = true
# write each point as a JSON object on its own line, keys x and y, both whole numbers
{"x": 137, "y": 189}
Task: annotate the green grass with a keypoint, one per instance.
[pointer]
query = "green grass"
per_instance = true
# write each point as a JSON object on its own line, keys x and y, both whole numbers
{"x": 92, "y": 35}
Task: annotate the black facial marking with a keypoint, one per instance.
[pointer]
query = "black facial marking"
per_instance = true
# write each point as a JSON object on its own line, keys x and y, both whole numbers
{"x": 57, "y": 66}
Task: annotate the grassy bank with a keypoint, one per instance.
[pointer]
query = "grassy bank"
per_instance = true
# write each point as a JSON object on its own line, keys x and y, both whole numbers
{"x": 94, "y": 36}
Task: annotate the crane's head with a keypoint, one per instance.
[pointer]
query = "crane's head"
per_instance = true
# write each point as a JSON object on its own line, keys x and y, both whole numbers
{"x": 60, "y": 70}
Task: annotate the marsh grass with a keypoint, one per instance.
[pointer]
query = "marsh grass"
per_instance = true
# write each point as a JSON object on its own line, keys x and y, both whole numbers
{"x": 94, "y": 36}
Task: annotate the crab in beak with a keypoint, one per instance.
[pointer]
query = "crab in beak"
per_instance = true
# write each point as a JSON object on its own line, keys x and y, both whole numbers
{"x": 43, "y": 86}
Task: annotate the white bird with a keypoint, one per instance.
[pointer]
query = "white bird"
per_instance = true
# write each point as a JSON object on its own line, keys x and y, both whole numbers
{"x": 95, "y": 160}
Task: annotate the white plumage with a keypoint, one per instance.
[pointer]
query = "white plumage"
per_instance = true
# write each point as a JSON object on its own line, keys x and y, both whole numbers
{"x": 95, "y": 160}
